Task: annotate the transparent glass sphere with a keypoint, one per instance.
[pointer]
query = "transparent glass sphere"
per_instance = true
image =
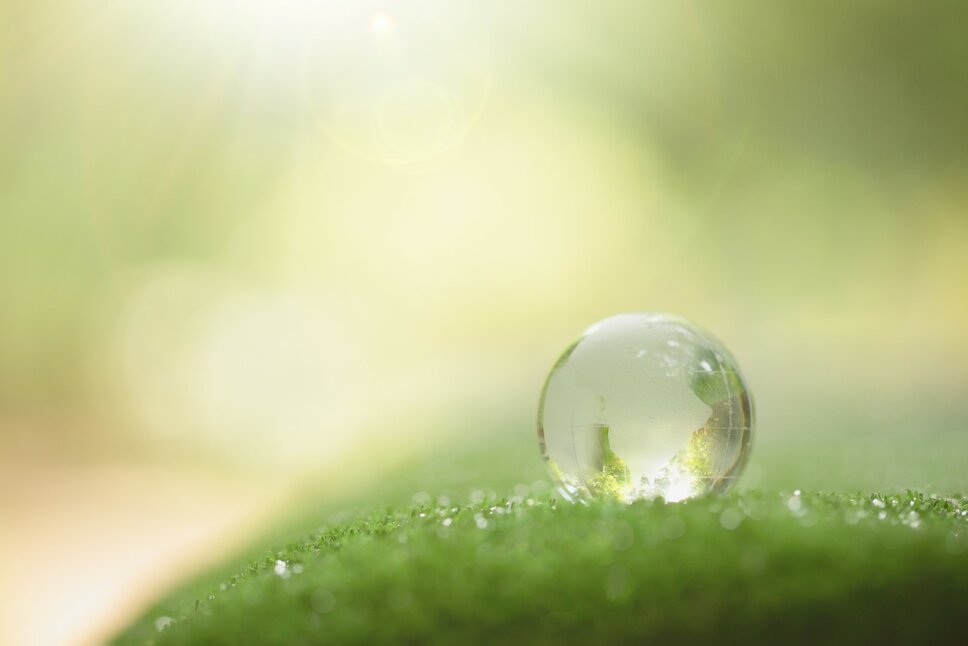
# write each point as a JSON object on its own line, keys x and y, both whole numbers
{"x": 641, "y": 406}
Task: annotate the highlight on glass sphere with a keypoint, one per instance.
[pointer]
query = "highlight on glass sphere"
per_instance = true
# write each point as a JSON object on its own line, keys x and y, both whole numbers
{"x": 644, "y": 406}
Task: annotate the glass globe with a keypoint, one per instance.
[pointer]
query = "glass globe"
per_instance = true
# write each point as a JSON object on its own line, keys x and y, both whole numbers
{"x": 641, "y": 406}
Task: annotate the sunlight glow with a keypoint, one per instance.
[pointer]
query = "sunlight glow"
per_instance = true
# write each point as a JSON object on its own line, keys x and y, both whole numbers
{"x": 401, "y": 87}
{"x": 382, "y": 25}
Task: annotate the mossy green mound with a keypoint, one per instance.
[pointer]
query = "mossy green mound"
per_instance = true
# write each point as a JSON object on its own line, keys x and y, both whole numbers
{"x": 743, "y": 568}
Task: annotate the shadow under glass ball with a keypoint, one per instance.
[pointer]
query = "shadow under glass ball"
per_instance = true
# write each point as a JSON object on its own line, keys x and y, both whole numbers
{"x": 642, "y": 406}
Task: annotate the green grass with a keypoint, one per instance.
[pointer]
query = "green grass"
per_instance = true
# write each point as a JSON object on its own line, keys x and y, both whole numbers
{"x": 741, "y": 568}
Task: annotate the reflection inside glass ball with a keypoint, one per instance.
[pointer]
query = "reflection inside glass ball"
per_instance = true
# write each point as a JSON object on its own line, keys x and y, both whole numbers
{"x": 643, "y": 406}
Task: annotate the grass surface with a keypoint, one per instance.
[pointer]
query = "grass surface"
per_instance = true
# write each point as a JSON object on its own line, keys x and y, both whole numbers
{"x": 741, "y": 568}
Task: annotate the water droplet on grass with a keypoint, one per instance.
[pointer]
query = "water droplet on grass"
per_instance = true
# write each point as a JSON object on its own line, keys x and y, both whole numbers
{"x": 731, "y": 518}
{"x": 753, "y": 509}
{"x": 281, "y": 568}
{"x": 672, "y": 423}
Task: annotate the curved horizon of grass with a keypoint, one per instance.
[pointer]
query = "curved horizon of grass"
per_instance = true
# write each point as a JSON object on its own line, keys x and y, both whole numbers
{"x": 739, "y": 568}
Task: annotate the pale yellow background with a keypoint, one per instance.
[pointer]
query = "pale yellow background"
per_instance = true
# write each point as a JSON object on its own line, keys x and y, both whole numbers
{"x": 249, "y": 245}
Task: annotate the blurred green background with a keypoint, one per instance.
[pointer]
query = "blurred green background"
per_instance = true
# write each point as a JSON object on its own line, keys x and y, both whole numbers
{"x": 247, "y": 246}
